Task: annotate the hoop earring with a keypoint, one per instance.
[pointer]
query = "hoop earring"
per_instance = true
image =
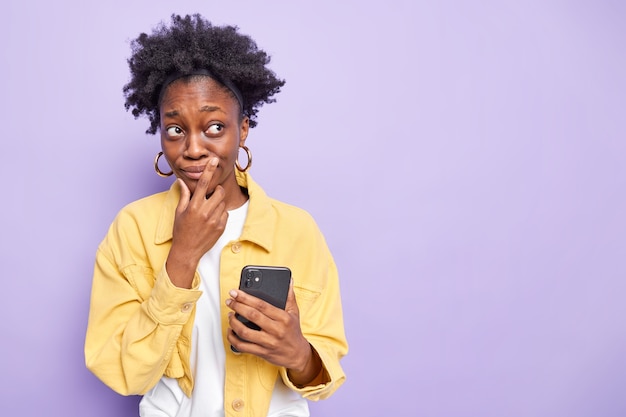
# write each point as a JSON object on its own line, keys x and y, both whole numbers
{"x": 156, "y": 167}
{"x": 249, "y": 164}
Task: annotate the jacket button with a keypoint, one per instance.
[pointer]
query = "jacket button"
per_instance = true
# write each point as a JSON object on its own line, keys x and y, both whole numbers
{"x": 236, "y": 247}
{"x": 238, "y": 404}
{"x": 186, "y": 307}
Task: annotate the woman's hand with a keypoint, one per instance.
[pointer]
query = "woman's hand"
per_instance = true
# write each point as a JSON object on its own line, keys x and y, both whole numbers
{"x": 198, "y": 224}
{"x": 280, "y": 340}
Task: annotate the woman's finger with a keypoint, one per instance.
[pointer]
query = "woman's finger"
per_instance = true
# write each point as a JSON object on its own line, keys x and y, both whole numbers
{"x": 185, "y": 194}
{"x": 202, "y": 187}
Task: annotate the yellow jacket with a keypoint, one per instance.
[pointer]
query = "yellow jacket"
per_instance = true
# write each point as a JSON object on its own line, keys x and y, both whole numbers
{"x": 140, "y": 324}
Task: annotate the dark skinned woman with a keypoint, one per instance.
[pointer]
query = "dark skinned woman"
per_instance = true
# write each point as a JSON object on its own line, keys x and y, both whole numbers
{"x": 164, "y": 294}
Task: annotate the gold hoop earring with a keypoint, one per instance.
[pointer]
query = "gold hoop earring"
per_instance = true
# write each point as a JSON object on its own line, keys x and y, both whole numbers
{"x": 156, "y": 167}
{"x": 249, "y": 164}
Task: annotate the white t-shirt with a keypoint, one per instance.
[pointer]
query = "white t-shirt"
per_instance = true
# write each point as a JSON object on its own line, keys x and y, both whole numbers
{"x": 207, "y": 359}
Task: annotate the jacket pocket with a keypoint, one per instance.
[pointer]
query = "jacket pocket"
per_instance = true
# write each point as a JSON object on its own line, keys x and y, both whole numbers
{"x": 267, "y": 373}
{"x": 141, "y": 278}
{"x": 305, "y": 297}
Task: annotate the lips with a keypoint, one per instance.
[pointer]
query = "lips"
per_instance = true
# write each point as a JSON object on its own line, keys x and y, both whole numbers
{"x": 193, "y": 172}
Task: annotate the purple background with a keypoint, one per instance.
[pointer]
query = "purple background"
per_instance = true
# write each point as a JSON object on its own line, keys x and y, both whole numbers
{"x": 466, "y": 163}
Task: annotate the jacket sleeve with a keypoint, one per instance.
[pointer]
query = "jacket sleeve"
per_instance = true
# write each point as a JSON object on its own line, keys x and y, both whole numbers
{"x": 136, "y": 315}
{"x": 321, "y": 319}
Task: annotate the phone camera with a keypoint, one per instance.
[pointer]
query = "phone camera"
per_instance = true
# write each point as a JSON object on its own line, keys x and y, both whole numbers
{"x": 252, "y": 277}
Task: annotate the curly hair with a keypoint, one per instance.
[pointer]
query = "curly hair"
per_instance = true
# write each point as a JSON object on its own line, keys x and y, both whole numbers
{"x": 193, "y": 43}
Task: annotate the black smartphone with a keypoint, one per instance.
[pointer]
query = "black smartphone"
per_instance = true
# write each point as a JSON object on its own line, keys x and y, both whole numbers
{"x": 269, "y": 283}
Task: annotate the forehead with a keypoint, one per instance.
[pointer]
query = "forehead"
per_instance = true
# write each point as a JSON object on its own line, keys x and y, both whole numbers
{"x": 196, "y": 89}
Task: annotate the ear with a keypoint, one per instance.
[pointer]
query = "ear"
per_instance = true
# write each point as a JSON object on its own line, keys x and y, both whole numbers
{"x": 244, "y": 127}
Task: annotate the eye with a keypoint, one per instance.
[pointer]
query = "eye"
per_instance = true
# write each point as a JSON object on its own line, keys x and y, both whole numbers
{"x": 215, "y": 129}
{"x": 174, "y": 131}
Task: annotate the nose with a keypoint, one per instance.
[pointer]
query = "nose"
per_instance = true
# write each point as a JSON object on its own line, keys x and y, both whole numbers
{"x": 196, "y": 148}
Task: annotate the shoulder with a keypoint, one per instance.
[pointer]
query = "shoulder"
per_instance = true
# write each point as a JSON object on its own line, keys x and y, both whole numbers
{"x": 135, "y": 229}
{"x": 292, "y": 214}
{"x": 143, "y": 208}
{"x": 289, "y": 210}
{"x": 297, "y": 225}
{"x": 139, "y": 216}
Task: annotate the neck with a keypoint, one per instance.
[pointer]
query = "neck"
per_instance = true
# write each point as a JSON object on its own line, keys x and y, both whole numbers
{"x": 237, "y": 200}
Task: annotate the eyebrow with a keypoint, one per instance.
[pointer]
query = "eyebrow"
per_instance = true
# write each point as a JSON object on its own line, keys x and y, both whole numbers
{"x": 210, "y": 109}
{"x": 207, "y": 109}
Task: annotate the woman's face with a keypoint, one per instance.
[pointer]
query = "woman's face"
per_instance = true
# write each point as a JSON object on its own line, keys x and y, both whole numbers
{"x": 200, "y": 120}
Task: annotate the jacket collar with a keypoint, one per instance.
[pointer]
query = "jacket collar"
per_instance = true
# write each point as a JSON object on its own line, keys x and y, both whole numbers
{"x": 259, "y": 225}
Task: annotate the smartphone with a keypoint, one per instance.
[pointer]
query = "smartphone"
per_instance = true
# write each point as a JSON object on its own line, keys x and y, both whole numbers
{"x": 269, "y": 283}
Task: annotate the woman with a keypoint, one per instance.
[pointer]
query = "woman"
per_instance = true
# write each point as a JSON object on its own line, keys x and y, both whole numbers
{"x": 164, "y": 295}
